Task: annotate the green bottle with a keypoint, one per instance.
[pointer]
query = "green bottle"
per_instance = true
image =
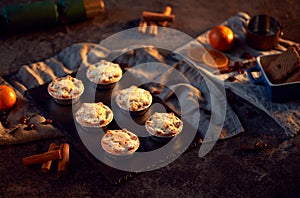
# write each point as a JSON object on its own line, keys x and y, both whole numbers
{"x": 25, "y": 16}
{"x": 78, "y": 10}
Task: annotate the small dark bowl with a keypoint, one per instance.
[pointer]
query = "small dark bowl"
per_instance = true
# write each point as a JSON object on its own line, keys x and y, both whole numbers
{"x": 263, "y": 32}
{"x": 105, "y": 86}
{"x": 161, "y": 139}
{"x": 92, "y": 129}
{"x": 66, "y": 101}
{"x": 101, "y": 86}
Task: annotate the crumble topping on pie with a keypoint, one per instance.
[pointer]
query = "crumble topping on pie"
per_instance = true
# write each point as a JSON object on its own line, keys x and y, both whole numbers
{"x": 104, "y": 72}
{"x": 94, "y": 115}
{"x": 134, "y": 98}
{"x": 164, "y": 124}
{"x": 65, "y": 88}
{"x": 120, "y": 142}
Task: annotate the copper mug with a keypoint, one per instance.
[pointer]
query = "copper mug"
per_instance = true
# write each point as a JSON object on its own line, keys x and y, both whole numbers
{"x": 263, "y": 32}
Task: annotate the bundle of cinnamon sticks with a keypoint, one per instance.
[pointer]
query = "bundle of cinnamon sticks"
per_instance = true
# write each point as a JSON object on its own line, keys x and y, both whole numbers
{"x": 55, "y": 152}
{"x": 153, "y": 19}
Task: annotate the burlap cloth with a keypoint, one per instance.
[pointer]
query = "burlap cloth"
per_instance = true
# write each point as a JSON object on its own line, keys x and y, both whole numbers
{"x": 17, "y": 132}
{"x": 200, "y": 80}
{"x": 80, "y": 55}
{"x": 286, "y": 114}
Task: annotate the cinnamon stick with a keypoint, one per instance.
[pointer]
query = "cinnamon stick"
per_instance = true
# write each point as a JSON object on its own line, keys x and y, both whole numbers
{"x": 142, "y": 26}
{"x": 153, "y": 16}
{"x": 47, "y": 165}
{"x": 63, "y": 163}
{"x": 153, "y": 29}
{"x": 41, "y": 158}
{"x": 167, "y": 11}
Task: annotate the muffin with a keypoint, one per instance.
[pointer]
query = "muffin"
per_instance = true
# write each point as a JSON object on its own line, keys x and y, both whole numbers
{"x": 134, "y": 99}
{"x": 65, "y": 90}
{"x": 104, "y": 74}
{"x": 120, "y": 143}
{"x": 163, "y": 126}
{"x": 93, "y": 115}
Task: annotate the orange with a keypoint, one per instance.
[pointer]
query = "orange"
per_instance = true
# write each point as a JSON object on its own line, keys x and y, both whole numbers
{"x": 8, "y": 97}
{"x": 195, "y": 53}
{"x": 215, "y": 59}
{"x": 221, "y": 38}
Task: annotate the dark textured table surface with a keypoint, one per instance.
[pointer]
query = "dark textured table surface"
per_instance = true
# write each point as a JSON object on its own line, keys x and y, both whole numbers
{"x": 227, "y": 170}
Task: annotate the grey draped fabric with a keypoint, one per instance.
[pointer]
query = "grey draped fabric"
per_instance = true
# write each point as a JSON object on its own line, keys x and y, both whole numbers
{"x": 194, "y": 91}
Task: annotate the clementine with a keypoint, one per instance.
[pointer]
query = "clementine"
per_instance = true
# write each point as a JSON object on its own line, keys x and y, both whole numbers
{"x": 221, "y": 38}
{"x": 8, "y": 97}
{"x": 215, "y": 59}
{"x": 195, "y": 53}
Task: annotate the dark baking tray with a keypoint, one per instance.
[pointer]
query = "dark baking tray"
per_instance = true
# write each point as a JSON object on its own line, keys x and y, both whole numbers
{"x": 62, "y": 117}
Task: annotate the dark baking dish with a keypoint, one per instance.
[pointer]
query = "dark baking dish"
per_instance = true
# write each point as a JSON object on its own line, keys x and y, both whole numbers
{"x": 276, "y": 92}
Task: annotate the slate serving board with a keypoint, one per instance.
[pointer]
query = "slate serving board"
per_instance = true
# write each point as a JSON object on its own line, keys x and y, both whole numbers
{"x": 88, "y": 142}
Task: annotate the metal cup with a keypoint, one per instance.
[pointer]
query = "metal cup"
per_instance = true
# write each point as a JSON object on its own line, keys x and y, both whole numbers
{"x": 263, "y": 32}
